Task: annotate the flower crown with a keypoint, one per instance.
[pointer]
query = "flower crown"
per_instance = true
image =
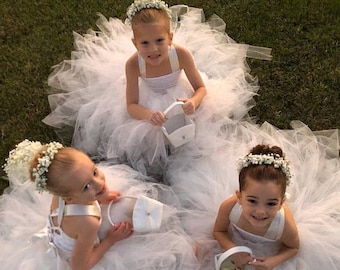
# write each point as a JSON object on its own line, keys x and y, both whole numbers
{"x": 138, "y": 5}
{"x": 17, "y": 165}
{"x": 268, "y": 159}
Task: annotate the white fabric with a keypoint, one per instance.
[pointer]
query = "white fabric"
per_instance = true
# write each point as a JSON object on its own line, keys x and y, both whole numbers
{"x": 275, "y": 229}
{"x": 202, "y": 173}
{"x": 93, "y": 104}
{"x": 63, "y": 243}
{"x": 203, "y": 182}
{"x": 179, "y": 128}
{"x": 145, "y": 214}
{"x": 173, "y": 63}
{"x": 23, "y": 212}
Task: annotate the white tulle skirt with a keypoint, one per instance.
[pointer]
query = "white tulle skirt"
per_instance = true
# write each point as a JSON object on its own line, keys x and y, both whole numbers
{"x": 202, "y": 182}
{"x": 89, "y": 104}
{"x": 24, "y": 212}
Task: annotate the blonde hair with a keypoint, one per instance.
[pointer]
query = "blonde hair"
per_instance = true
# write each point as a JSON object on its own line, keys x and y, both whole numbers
{"x": 62, "y": 165}
{"x": 151, "y": 15}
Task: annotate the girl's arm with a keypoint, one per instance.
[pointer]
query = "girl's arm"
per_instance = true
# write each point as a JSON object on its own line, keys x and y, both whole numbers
{"x": 85, "y": 255}
{"x": 132, "y": 95}
{"x": 222, "y": 223}
{"x": 222, "y": 234}
{"x": 290, "y": 244}
{"x": 187, "y": 63}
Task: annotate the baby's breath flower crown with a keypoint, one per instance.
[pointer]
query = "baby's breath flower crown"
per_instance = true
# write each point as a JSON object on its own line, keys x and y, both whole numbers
{"x": 268, "y": 159}
{"x": 17, "y": 165}
{"x": 138, "y": 5}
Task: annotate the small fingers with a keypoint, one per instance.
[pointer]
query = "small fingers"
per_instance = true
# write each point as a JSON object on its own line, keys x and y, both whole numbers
{"x": 124, "y": 228}
{"x": 188, "y": 109}
{"x": 157, "y": 119}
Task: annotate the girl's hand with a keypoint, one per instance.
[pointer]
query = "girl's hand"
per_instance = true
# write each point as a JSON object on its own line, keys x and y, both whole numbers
{"x": 119, "y": 232}
{"x": 114, "y": 195}
{"x": 189, "y": 106}
{"x": 263, "y": 263}
{"x": 241, "y": 259}
{"x": 157, "y": 118}
{"x": 111, "y": 196}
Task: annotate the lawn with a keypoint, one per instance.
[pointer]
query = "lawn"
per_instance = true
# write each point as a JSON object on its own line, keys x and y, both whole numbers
{"x": 301, "y": 82}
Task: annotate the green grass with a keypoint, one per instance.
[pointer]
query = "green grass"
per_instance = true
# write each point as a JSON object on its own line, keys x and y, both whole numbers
{"x": 302, "y": 81}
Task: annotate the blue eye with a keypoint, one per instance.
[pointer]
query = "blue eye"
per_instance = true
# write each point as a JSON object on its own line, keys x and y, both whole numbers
{"x": 87, "y": 186}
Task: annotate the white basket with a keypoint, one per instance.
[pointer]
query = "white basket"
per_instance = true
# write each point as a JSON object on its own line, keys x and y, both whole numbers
{"x": 223, "y": 260}
{"x": 179, "y": 129}
{"x": 145, "y": 214}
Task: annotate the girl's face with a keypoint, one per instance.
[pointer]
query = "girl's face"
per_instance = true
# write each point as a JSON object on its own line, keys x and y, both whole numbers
{"x": 152, "y": 41}
{"x": 260, "y": 202}
{"x": 86, "y": 183}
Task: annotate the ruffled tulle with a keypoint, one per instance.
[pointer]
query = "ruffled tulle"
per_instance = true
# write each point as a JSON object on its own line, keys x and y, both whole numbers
{"x": 90, "y": 101}
{"x": 89, "y": 106}
{"x": 202, "y": 182}
{"x": 24, "y": 212}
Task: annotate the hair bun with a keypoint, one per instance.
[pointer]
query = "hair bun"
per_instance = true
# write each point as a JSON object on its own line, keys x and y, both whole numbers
{"x": 266, "y": 149}
{"x": 17, "y": 165}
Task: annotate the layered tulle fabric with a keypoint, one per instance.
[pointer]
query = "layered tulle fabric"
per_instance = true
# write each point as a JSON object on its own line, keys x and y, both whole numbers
{"x": 24, "y": 212}
{"x": 203, "y": 182}
{"x": 88, "y": 107}
{"x": 90, "y": 101}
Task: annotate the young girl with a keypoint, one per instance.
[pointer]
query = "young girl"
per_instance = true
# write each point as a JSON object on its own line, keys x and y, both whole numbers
{"x": 158, "y": 63}
{"x": 78, "y": 231}
{"x": 78, "y": 186}
{"x": 118, "y": 114}
{"x": 256, "y": 215}
{"x": 158, "y": 59}
{"x": 154, "y": 80}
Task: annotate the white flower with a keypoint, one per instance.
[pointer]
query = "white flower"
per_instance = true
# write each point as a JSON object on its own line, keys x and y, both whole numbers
{"x": 40, "y": 172}
{"x": 17, "y": 165}
{"x": 269, "y": 159}
{"x": 138, "y": 5}
{"x": 18, "y": 162}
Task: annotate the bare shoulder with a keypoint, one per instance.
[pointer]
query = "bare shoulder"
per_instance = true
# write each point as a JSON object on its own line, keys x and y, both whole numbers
{"x": 82, "y": 225}
{"x": 132, "y": 62}
{"x": 222, "y": 220}
{"x": 290, "y": 235}
{"x": 185, "y": 59}
{"x": 289, "y": 218}
{"x": 228, "y": 203}
{"x": 92, "y": 222}
{"x": 181, "y": 51}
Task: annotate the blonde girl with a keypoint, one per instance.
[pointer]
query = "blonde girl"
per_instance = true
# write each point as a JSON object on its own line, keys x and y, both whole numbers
{"x": 78, "y": 186}
{"x": 150, "y": 21}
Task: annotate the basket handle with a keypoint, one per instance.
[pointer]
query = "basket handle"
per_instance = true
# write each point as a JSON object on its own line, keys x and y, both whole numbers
{"x": 230, "y": 252}
{"x": 110, "y": 205}
{"x": 172, "y": 106}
